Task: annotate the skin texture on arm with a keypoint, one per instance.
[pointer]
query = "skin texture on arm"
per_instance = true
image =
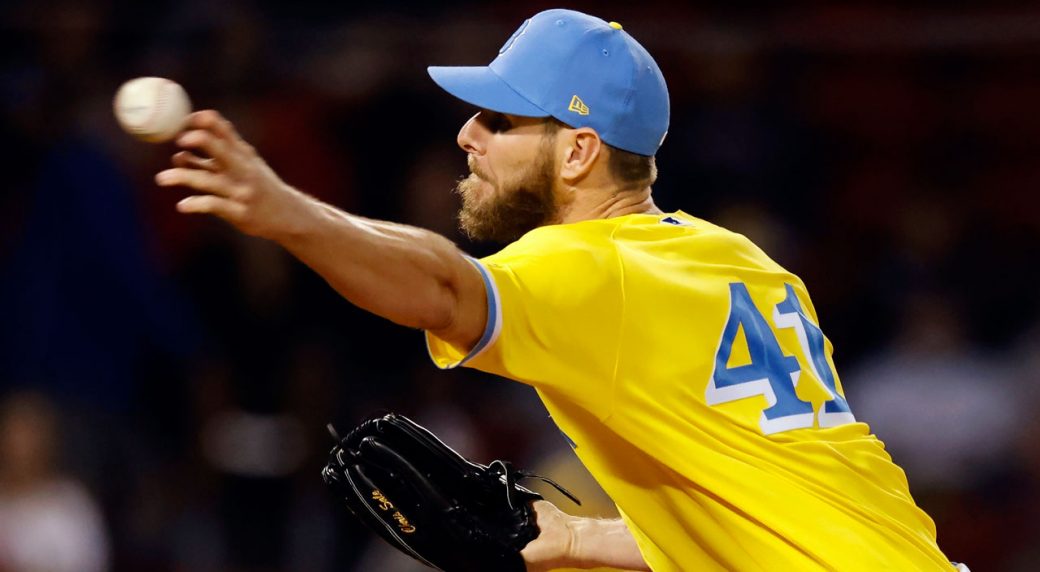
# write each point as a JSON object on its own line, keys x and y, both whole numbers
{"x": 408, "y": 275}
{"x": 566, "y": 541}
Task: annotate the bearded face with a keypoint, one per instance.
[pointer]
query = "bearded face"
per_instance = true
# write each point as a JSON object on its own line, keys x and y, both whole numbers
{"x": 506, "y": 211}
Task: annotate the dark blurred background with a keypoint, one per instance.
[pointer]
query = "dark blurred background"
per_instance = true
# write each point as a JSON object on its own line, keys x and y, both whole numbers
{"x": 165, "y": 382}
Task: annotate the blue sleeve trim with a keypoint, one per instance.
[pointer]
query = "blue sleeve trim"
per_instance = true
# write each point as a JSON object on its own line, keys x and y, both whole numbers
{"x": 494, "y": 309}
{"x": 494, "y": 319}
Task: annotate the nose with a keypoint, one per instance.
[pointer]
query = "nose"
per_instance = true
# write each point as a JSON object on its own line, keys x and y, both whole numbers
{"x": 469, "y": 138}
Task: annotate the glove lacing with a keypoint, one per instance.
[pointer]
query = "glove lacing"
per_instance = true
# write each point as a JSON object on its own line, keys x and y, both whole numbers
{"x": 509, "y": 476}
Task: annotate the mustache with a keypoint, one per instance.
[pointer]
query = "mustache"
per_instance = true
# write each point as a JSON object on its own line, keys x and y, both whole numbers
{"x": 475, "y": 169}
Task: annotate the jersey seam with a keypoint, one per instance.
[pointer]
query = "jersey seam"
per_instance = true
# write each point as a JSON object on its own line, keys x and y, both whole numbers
{"x": 620, "y": 330}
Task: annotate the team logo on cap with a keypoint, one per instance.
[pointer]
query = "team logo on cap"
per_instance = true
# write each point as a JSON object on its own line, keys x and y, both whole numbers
{"x": 516, "y": 36}
{"x": 578, "y": 106}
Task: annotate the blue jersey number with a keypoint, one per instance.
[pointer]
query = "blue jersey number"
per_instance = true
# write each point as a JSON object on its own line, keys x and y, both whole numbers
{"x": 771, "y": 373}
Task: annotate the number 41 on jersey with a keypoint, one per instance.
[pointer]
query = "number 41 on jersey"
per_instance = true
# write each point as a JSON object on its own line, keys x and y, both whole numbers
{"x": 771, "y": 372}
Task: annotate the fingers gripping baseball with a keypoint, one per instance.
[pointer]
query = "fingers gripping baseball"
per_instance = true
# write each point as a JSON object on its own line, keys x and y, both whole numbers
{"x": 187, "y": 159}
{"x": 222, "y": 151}
{"x": 235, "y": 183}
{"x": 209, "y": 204}
{"x": 212, "y": 182}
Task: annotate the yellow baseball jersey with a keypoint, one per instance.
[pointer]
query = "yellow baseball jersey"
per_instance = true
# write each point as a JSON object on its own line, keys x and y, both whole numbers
{"x": 691, "y": 375}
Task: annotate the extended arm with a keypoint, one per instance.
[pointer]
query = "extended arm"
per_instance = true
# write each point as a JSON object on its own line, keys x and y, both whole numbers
{"x": 411, "y": 276}
{"x": 566, "y": 541}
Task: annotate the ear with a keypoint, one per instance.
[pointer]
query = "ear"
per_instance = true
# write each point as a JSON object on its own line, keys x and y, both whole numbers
{"x": 582, "y": 147}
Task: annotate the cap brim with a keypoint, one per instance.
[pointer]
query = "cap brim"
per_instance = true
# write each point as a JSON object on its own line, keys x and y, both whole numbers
{"x": 480, "y": 86}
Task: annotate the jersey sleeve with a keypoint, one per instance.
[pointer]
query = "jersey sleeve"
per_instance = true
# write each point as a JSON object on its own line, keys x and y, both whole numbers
{"x": 555, "y": 307}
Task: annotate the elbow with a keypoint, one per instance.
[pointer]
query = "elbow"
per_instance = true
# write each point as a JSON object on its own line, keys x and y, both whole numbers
{"x": 440, "y": 310}
{"x": 437, "y": 317}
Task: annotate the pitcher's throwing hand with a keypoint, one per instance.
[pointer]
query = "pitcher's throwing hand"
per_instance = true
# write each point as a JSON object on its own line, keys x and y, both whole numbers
{"x": 234, "y": 182}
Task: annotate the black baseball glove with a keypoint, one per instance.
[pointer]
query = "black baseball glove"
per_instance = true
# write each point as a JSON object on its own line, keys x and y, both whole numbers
{"x": 430, "y": 502}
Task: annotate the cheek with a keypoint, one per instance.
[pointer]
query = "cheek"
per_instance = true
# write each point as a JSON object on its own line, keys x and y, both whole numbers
{"x": 489, "y": 171}
{"x": 507, "y": 174}
{"x": 505, "y": 159}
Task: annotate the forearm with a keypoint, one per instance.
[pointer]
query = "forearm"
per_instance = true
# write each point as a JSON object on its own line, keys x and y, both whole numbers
{"x": 566, "y": 541}
{"x": 402, "y": 273}
{"x": 605, "y": 543}
{"x": 408, "y": 275}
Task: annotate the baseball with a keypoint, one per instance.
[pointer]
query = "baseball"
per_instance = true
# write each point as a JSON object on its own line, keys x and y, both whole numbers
{"x": 152, "y": 109}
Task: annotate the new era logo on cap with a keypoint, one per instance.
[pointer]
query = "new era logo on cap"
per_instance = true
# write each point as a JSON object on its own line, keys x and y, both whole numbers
{"x": 578, "y": 106}
{"x": 557, "y": 54}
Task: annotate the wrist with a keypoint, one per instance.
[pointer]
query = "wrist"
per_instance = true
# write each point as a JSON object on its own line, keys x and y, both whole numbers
{"x": 566, "y": 552}
{"x": 599, "y": 543}
{"x": 303, "y": 220}
{"x": 581, "y": 554}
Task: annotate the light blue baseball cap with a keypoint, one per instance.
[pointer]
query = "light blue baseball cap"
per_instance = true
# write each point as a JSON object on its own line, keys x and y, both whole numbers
{"x": 574, "y": 67}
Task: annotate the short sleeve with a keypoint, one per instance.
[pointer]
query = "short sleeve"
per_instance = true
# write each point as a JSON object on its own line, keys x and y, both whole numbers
{"x": 555, "y": 304}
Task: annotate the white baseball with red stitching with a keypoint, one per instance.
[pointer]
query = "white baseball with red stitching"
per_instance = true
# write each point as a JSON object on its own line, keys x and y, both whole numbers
{"x": 152, "y": 109}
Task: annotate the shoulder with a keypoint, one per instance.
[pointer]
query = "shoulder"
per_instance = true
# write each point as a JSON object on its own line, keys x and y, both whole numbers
{"x": 714, "y": 244}
{"x": 562, "y": 246}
